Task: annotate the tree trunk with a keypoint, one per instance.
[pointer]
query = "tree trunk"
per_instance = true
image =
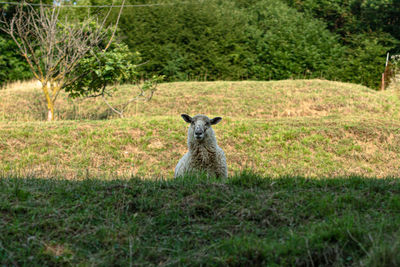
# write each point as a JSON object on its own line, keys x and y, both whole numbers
{"x": 50, "y": 104}
{"x": 50, "y": 114}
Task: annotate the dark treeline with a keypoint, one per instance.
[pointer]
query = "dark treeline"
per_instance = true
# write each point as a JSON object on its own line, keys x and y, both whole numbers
{"x": 345, "y": 40}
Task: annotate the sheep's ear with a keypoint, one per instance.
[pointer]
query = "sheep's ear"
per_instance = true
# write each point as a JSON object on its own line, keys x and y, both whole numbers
{"x": 186, "y": 118}
{"x": 215, "y": 120}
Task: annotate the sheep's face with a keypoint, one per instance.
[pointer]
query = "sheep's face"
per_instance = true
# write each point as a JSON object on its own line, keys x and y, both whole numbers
{"x": 200, "y": 125}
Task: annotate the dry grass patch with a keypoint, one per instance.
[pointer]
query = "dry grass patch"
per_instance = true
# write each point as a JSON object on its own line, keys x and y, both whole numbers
{"x": 22, "y": 85}
{"x": 306, "y": 127}
{"x": 151, "y": 147}
{"x": 261, "y": 100}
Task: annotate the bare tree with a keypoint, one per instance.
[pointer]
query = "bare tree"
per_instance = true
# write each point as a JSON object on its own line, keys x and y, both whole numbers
{"x": 53, "y": 46}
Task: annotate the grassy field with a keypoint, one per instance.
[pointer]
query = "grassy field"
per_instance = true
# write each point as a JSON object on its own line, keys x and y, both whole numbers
{"x": 238, "y": 100}
{"x": 93, "y": 189}
{"x": 310, "y": 128}
{"x": 245, "y": 220}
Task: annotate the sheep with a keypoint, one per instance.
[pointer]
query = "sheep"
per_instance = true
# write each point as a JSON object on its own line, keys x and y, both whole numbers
{"x": 204, "y": 154}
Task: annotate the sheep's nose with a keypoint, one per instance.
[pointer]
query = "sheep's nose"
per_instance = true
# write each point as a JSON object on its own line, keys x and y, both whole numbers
{"x": 198, "y": 133}
{"x": 198, "y": 130}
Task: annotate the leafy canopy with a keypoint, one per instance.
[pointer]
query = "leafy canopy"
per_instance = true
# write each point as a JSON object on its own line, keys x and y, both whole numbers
{"x": 99, "y": 69}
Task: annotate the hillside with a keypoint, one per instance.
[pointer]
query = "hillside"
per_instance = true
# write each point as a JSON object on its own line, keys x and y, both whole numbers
{"x": 256, "y": 100}
{"x": 319, "y": 148}
{"x": 304, "y": 127}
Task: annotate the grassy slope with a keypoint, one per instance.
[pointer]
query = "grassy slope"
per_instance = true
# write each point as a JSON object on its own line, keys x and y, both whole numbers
{"x": 242, "y": 221}
{"x": 308, "y": 128}
{"x": 255, "y": 100}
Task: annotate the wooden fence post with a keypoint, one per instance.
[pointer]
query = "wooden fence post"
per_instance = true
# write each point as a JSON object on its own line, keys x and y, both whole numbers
{"x": 385, "y": 73}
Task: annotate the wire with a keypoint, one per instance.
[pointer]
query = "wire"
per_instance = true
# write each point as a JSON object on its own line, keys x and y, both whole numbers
{"x": 99, "y": 6}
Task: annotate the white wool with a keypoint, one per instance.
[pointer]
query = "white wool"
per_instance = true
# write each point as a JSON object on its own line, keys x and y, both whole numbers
{"x": 204, "y": 155}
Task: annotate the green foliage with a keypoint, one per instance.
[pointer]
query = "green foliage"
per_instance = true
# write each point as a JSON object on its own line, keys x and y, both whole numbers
{"x": 286, "y": 44}
{"x": 12, "y": 65}
{"x": 259, "y": 39}
{"x": 99, "y": 69}
{"x": 337, "y": 14}
{"x": 224, "y": 40}
{"x": 151, "y": 84}
{"x": 354, "y": 16}
{"x": 365, "y": 62}
{"x": 195, "y": 40}
{"x": 394, "y": 65}
{"x": 368, "y": 29}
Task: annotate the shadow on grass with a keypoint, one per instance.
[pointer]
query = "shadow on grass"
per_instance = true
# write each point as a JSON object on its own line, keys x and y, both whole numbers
{"x": 243, "y": 220}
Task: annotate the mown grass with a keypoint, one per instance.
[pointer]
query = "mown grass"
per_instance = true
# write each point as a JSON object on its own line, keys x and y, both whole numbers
{"x": 244, "y": 220}
{"x": 308, "y": 128}
{"x": 247, "y": 99}
{"x": 151, "y": 146}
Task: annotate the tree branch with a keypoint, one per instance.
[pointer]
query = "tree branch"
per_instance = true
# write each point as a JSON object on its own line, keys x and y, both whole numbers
{"x": 115, "y": 26}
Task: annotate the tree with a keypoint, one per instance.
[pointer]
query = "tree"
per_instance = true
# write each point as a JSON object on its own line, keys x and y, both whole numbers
{"x": 52, "y": 47}
{"x": 286, "y": 44}
{"x": 116, "y": 64}
{"x": 368, "y": 30}
{"x": 12, "y": 65}
{"x": 186, "y": 40}
{"x": 231, "y": 40}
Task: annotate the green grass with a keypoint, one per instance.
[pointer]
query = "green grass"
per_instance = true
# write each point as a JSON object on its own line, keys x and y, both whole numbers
{"x": 151, "y": 146}
{"x": 309, "y": 127}
{"x": 244, "y": 220}
{"x": 62, "y": 203}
